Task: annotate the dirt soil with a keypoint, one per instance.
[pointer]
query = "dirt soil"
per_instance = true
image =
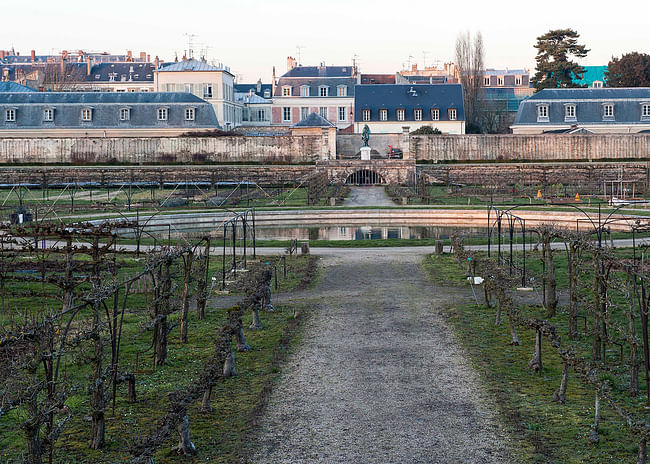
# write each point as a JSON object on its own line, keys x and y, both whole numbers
{"x": 378, "y": 377}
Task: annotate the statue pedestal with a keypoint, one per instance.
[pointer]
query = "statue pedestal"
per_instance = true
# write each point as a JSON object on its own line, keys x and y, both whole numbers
{"x": 365, "y": 153}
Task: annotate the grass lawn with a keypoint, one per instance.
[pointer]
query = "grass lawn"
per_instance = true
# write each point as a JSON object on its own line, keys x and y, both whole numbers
{"x": 542, "y": 431}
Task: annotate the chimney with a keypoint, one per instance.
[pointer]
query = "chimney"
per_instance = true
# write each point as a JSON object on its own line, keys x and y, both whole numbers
{"x": 2, "y": 54}
{"x": 273, "y": 82}
{"x": 143, "y": 56}
{"x": 414, "y": 67}
{"x": 129, "y": 55}
{"x": 148, "y": 58}
{"x": 89, "y": 65}
{"x": 259, "y": 85}
{"x": 291, "y": 63}
{"x": 33, "y": 55}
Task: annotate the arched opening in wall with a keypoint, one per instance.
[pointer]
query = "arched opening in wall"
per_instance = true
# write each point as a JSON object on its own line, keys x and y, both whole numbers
{"x": 364, "y": 177}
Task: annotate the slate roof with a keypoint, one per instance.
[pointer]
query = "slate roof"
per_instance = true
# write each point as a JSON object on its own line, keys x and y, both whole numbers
{"x": 67, "y": 106}
{"x": 314, "y": 120}
{"x": 247, "y": 98}
{"x": 377, "y": 78}
{"x": 121, "y": 72}
{"x": 589, "y": 106}
{"x": 320, "y": 71}
{"x": 505, "y": 72}
{"x": 246, "y": 88}
{"x": 314, "y": 84}
{"x": 96, "y": 98}
{"x": 409, "y": 97}
{"x": 191, "y": 65}
{"x": 13, "y": 87}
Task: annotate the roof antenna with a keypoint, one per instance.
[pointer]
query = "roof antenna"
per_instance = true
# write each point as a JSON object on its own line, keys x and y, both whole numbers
{"x": 190, "y": 44}
{"x": 299, "y": 47}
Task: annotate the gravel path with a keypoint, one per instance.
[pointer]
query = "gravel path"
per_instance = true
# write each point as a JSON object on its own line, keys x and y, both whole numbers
{"x": 378, "y": 377}
{"x": 368, "y": 196}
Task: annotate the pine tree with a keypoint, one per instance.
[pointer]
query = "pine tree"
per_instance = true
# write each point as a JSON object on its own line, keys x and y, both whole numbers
{"x": 554, "y": 69}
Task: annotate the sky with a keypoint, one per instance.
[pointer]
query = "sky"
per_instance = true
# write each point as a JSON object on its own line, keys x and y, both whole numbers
{"x": 384, "y": 35}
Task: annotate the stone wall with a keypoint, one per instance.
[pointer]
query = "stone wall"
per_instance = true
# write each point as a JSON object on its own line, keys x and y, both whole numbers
{"x": 264, "y": 149}
{"x": 559, "y": 147}
{"x": 349, "y": 145}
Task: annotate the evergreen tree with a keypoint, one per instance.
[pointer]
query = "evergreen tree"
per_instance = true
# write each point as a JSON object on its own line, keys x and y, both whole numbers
{"x": 631, "y": 70}
{"x": 554, "y": 69}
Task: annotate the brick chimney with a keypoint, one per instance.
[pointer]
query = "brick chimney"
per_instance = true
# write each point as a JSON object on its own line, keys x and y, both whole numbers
{"x": 414, "y": 67}
{"x": 291, "y": 63}
{"x": 273, "y": 82}
{"x": 143, "y": 56}
{"x": 129, "y": 55}
{"x": 148, "y": 58}
{"x": 33, "y": 55}
{"x": 2, "y": 54}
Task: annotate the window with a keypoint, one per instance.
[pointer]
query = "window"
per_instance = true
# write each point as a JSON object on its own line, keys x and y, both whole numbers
{"x": 645, "y": 111}
{"x": 608, "y": 111}
{"x": 189, "y": 114}
{"x": 267, "y": 93}
{"x": 125, "y": 114}
{"x": 10, "y": 115}
{"x": 435, "y": 114}
{"x": 322, "y": 91}
{"x": 261, "y": 115}
{"x": 542, "y": 113}
{"x": 342, "y": 113}
{"x": 286, "y": 91}
{"x": 517, "y": 80}
{"x": 286, "y": 113}
{"x": 486, "y": 81}
{"x": 500, "y": 80}
{"x": 170, "y": 87}
{"x": 365, "y": 115}
{"x": 383, "y": 115}
{"x": 304, "y": 112}
{"x": 188, "y": 88}
{"x": 87, "y": 114}
{"x": 597, "y": 84}
{"x": 304, "y": 91}
{"x": 342, "y": 91}
{"x": 417, "y": 114}
{"x": 162, "y": 114}
{"x": 207, "y": 90}
{"x": 570, "y": 112}
{"x": 323, "y": 112}
{"x": 452, "y": 114}
{"x": 400, "y": 115}
{"x": 48, "y": 115}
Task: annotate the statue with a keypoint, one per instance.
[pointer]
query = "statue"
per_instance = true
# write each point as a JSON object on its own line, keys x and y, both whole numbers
{"x": 365, "y": 135}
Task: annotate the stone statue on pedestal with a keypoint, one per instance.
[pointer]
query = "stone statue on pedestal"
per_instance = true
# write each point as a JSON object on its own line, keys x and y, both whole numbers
{"x": 365, "y": 135}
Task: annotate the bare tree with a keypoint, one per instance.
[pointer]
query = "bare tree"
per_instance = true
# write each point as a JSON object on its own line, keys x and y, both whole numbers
{"x": 469, "y": 59}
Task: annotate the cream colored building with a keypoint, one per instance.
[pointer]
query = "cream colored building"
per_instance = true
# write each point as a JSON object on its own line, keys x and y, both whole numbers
{"x": 215, "y": 84}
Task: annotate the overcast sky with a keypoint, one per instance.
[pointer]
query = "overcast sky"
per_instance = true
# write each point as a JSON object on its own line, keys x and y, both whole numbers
{"x": 253, "y": 36}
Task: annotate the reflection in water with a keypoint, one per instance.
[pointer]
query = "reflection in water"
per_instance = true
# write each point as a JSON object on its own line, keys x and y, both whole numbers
{"x": 330, "y": 233}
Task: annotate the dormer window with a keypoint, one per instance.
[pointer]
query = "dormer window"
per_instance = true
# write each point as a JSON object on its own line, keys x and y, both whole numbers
{"x": 125, "y": 114}
{"x": 645, "y": 111}
{"x": 383, "y": 115}
{"x": 608, "y": 111}
{"x": 486, "y": 81}
{"x": 87, "y": 114}
{"x": 570, "y": 112}
{"x": 342, "y": 91}
{"x": 500, "y": 80}
{"x": 267, "y": 94}
{"x": 400, "y": 114}
{"x": 417, "y": 114}
{"x": 10, "y": 115}
{"x": 48, "y": 115}
{"x": 162, "y": 114}
{"x": 597, "y": 84}
{"x": 323, "y": 91}
{"x": 365, "y": 115}
{"x": 517, "y": 80}
{"x": 286, "y": 91}
{"x": 304, "y": 91}
{"x": 542, "y": 113}
{"x": 435, "y": 114}
{"x": 452, "y": 114}
{"x": 190, "y": 114}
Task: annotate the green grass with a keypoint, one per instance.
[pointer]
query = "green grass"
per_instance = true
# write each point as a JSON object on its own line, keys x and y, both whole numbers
{"x": 542, "y": 431}
{"x": 221, "y": 435}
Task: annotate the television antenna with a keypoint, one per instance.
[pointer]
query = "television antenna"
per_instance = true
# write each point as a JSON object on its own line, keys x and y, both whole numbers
{"x": 190, "y": 44}
{"x": 410, "y": 59}
{"x": 424, "y": 59}
{"x": 299, "y": 47}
